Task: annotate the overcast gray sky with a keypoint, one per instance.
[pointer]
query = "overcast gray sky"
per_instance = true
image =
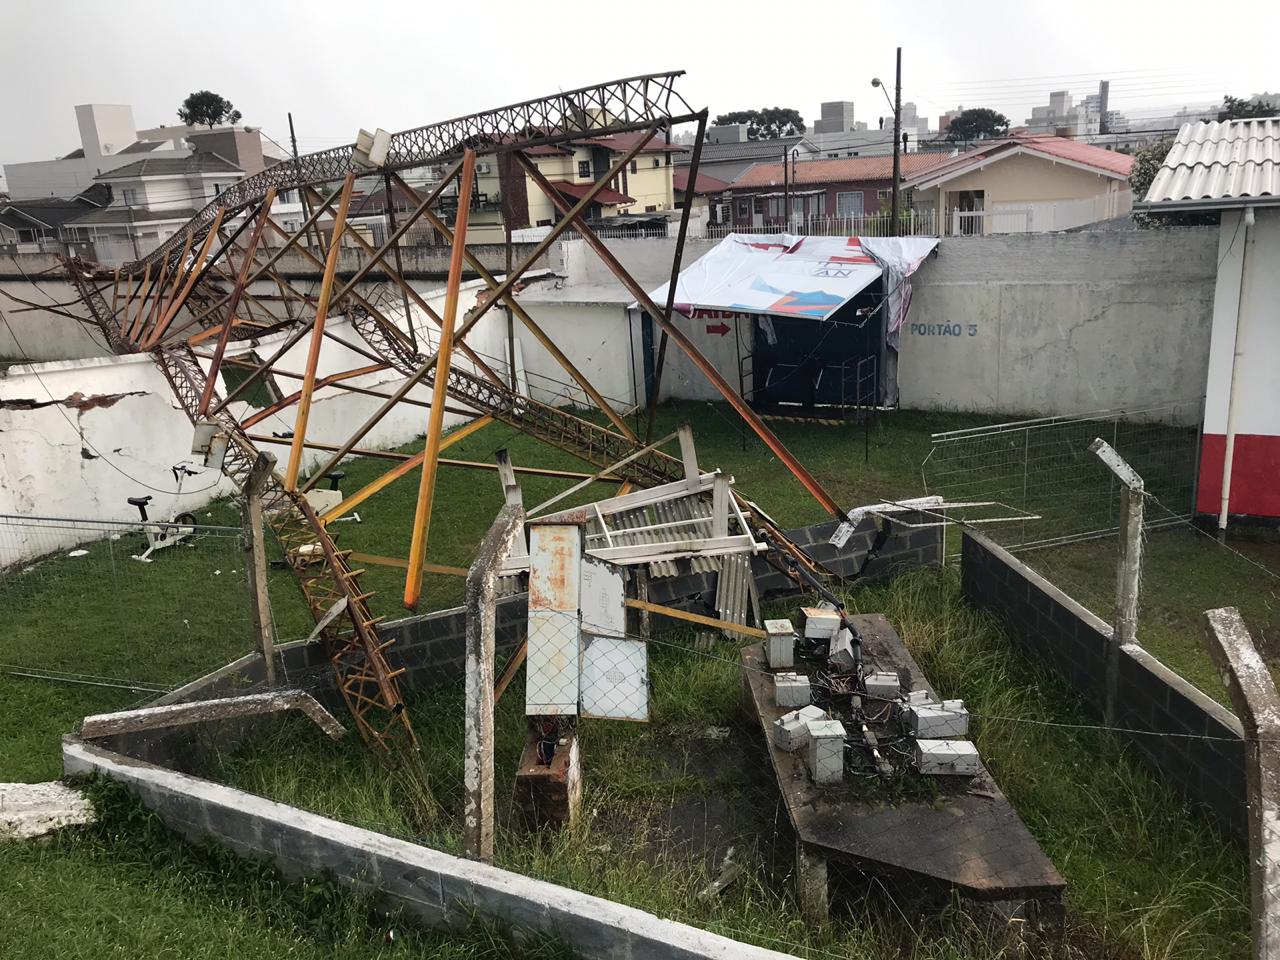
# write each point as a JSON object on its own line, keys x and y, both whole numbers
{"x": 340, "y": 65}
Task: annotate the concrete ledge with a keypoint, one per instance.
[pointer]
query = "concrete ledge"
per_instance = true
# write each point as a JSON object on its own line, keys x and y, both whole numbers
{"x": 436, "y": 889}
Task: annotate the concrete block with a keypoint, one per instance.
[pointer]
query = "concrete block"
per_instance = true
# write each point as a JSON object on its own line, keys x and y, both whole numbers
{"x": 34, "y": 809}
{"x": 826, "y": 751}
{"x": 791, "y": 690}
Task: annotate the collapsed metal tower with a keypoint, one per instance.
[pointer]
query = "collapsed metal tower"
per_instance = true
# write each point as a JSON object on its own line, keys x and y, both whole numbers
{"x": 189, "y": 299}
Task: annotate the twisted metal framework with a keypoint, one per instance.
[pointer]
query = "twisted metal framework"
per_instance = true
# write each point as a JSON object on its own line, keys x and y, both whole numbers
{"x": 619, "y": 106}
{"x": 176, "y": 304}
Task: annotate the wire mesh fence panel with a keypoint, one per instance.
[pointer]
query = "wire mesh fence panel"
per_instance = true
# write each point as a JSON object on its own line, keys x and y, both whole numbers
{"x": 146, "y": 606}
{"x": 1043, "y": 467}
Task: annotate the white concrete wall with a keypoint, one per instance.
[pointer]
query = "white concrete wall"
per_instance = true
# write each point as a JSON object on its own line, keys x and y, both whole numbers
{"x": 1048, "y": 324}
{"x": 42, "y": 334}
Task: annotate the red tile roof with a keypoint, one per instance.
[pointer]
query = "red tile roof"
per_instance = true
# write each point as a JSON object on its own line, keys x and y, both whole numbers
{"x": 1079, "y": 152}
{"x": 841, "y": 170}
{"x": 622, "y": 142}
{"x": 1059, "y": 148}
{"x": 579, "y": 190}
{"x": 705, "y": 184}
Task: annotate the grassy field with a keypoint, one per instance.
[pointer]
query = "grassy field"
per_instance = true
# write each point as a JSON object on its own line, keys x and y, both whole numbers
{"x": 1184, "y": 573}
{"x": 664, "y": 801}
{"x": 1145, "y": 880}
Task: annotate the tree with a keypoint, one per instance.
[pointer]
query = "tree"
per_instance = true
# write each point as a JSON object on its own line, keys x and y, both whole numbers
{"x": 1238, "y": 108}
{"x": 769, "y": 123}
{"x": 206, "y": 108}
{"x": 978, "y": 123}
{"x": 1146, "y": 164}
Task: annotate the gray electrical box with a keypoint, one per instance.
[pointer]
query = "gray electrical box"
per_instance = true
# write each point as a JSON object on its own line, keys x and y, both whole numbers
{"x": 883, "y": 685}
{"x": 957, "y": 758}
{"x": 938, "y": 721}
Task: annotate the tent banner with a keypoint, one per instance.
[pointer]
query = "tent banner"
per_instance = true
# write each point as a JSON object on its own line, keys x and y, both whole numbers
{"x": 779, "y": 274}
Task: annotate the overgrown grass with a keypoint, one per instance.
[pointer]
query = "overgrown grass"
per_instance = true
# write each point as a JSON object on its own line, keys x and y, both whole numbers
{"x": 1184, "y": 573}
{"x": 127, "y": 887}
{"x": 665, "y": 800}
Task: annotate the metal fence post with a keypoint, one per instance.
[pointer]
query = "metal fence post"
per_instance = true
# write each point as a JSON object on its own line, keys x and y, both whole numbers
{"x": 256, "y": 565}
{"x": 1129, "y": 567}
{"x": 1253, "y": 693}
{"x": 482, "y": 589}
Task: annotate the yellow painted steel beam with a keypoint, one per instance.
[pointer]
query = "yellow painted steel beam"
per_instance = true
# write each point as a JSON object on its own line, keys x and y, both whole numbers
{"x": 539, "y": 334}
{"x": 726, "y": 625}
{"x": 317, "y": 335}
{"x": 439, "y": 390}
{"x": 398, "y": 471}
{"x": 427, "y": 567}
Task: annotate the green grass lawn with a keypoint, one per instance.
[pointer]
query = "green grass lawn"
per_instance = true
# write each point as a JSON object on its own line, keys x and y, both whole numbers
{"x": 1184, "y": 573}
{"x": 663, "y": 801}
{"x": 1146, "y": 880}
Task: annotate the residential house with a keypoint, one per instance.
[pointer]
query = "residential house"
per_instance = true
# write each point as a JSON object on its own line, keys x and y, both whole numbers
{"x": 151, "y": 199}
{"x": 35, "y": 226}
{"x": 1023, "y": 184}
{"x": 822, "y": 192}
{"x": 708, "y": 209}
{"x": 1232, "y": 170}
{"x": 644, "y": 186}
{"x": 108, "y": 139}
{"x": 727, "y": 151}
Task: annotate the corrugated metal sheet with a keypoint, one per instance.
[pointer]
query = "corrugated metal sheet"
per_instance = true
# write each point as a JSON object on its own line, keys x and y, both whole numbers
{"x": 1220, "y": 161}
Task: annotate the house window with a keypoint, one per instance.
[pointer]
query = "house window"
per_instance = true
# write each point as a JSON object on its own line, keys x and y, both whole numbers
{"x": 775, "y": 207}
{"x": 849, "y": 204}
{"x": 883, "y": 194}
{"x": 584, "y": 168}
{"x": 667, "y": 159}
{"x": 833, "y": 156}
{"x": 657, "y": 162}
{"x": 544, "y": 223}
{"x": 818, "y": 205}
{"x": 744, "y": 208}
{"x": 634, "y": 166}
{"x": 757, "y": 205}
{"x": 130, "y": 197}
{"x": 651, "y": 209}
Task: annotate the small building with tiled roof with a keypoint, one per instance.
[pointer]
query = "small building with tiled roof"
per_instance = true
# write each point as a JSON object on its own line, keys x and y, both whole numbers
{"x": 1228, "y": 172}
{"x": 1024, "y": 184}
{"x": 820, "y": 192}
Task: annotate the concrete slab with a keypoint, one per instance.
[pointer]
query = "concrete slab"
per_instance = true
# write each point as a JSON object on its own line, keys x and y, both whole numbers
{"x": 33, "y": 809}
{"x": 970, "y": 839}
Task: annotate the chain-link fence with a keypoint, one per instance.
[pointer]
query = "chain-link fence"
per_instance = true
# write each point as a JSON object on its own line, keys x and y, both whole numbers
{"x": 1043, "y": 467}
{"x": 144, "y": 607}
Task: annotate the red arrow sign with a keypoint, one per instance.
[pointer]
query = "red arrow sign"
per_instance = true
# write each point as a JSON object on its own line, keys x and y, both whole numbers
{"x": 720, "y": 328}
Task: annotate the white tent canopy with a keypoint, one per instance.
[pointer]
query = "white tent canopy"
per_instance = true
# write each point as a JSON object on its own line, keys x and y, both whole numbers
{"x": 788, "y": 275}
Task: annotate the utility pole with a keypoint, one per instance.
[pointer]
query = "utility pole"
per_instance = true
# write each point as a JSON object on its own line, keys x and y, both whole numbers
{"x": 897, "y": 142}
{"x": 297, "y": 169}
{"x": 786, "y": 187}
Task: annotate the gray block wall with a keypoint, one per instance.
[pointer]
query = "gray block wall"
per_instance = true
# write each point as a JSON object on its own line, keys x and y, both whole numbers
{"x": 433, "y": 888}
{"x": 1189, "y": 740}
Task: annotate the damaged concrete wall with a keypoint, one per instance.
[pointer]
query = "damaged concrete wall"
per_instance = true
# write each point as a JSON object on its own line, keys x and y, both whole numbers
{"x": 1057, "y": 323}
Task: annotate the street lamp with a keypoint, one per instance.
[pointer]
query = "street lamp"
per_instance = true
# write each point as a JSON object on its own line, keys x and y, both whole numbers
{"x": 896, "y": 106}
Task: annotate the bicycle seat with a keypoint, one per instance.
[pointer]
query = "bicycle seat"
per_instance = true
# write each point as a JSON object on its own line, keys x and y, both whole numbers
{"x": 334, "y": 477}
{"x": 139, "y": 501}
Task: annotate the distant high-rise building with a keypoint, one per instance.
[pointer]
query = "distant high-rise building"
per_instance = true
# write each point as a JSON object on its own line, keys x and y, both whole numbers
{"x": 837, "y": 117}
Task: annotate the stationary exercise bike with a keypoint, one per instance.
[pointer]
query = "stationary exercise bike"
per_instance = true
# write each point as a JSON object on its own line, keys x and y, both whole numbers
{"x": 177, "y": 528}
